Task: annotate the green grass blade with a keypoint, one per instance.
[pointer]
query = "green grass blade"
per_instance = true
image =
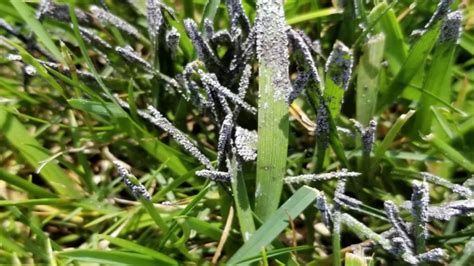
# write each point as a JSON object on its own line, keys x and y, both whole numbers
{"x": 395, "y": 48}
{"x": 154, "y": 147}
{"x": 275, "y": 253}
{"x": 29, "y": 148}
{"x": 242, "y": 203}
{"x": 33, "y": 202}
{"x": 84, "y": 50}
{"x": 389, "y": 138}
{"x": 275, "y": 224}
{"x": 467, "y": 42}
{"x": 439, "y": 75}
{"x": 25, "y": 185}
{"x": 129, "y": 245}
{"x": 29, "y": 17}
{"x": 11, "y": 245}
{"x": 155, "y": 216}
{"x": 313, "y": 15}
{"x": 336, "y": 239}
{"x": 204, "y": 228}
{"x": 273, "y": 124}
{"x": 410, "y": 67}
{"x": 450, "y": 152}
{"x": 110, "y": 257}
{"x": 210, "y": 10}
{"x": 367, "y": 78}
{"x": 355, "y": 260}
{"x": 184, "y": 212}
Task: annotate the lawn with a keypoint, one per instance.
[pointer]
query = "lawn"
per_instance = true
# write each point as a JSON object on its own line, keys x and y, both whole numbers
{"x": 262, "y": 132}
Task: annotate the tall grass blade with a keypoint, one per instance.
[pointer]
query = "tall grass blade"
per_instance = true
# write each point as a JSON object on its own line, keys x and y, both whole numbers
{"x": 367, "y": 78}
{"x": 396, "y": 49}
{"x": 439, "y": 75}
{"x": 274, "y": 87}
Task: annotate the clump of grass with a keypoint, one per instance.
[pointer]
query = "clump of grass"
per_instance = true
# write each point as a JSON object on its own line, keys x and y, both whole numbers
{"x": 225, "y": 110}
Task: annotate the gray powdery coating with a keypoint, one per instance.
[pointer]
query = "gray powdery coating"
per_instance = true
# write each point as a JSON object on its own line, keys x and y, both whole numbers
{"x": 246, "y": 143}
{"x": 159, "y": 120}
{"x": 48, "y": 9}
{"x": 346, "y": 201}
{"x": 461, "y": 190}
{"x": 30, "y": 70}
{"x": 368, "y": 134}
{"x": 244, "y": 81}
{"x": 93, "y": 38}
{"x": 14, "y": 58}
{"x": 368, "y": 137}
{"x": 420, "y": 201}
{"x": 154, "y": 17}
{"x": 314, "y": 46}
{"x": 272, "y": 45}
{"x": 203, "y": 50}
{"x": 128, "y": 54}
{"x": 323, "y": 128}
{"x": 236, "y": 13}
{"x": 221, "y": 37}
{"x": 400, "y": 248}
{"x": 324, "y": 208}
{"x": 106, "y": 17}
{"x": 172, "y": 40}
{"x": 393, "y": 214}
{"x": 301, "y": 46}
{"x": 321, "y": 177}
{"x": 298, "y": 85}
{"x": 441, "y": 10}
{"x": 345, "y": 131}
{"x": 225, "y": 133}
{"x": 447, "y": 210}
{"x": 208, "y": 28}
{"x": 433, "y": 255}
{"x": 138, "y": 191}
{"x": 244, "y": 53}
{"x": 450, "y": 209}
{"x": 209, "y": 79}
{"x": 191, "y": 92}
{"x": 452, "y": 28}
{"x": 155, "y": 117}
{"x": 214, "y": 175}
{"x": 339, "y": 65}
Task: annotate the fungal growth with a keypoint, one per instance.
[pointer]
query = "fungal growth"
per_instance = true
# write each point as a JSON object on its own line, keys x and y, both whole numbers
{"x": 137, "y": 189}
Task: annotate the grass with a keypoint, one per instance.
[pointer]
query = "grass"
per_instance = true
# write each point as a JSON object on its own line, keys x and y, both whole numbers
{"x": 244, "y": 141}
